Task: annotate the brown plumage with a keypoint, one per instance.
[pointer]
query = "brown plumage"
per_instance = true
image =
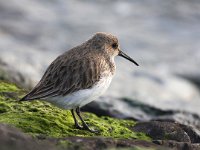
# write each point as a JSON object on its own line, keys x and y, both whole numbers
{"x": 79, "y": 75}
{"x": 79, "y": 68}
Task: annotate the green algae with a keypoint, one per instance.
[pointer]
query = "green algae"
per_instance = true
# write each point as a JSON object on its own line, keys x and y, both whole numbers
{"x": 42, "y": 118}
{"x": 6, "y": 87}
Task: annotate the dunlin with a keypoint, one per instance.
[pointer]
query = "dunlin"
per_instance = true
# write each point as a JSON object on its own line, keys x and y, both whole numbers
{"x": 80, "y": 75}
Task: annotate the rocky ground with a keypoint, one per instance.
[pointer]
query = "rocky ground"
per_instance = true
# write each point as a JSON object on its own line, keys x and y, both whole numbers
{"x": 14, "y": 139}
{"x": 41, "y": 125}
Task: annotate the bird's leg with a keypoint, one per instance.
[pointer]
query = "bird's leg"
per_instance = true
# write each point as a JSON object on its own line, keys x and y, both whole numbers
{"x": 75, "y": 121}
{"x": 85, "y": 126}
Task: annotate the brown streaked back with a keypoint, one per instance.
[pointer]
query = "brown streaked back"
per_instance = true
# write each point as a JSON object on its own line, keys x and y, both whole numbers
{"x": 79, "y": 68}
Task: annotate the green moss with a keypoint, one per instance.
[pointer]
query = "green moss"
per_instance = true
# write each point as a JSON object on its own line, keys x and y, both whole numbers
{"x": 6, "y": 87}
{"x": 37, "y": 117}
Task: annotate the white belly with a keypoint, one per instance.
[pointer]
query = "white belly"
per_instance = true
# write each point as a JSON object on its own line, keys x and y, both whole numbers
{"x": 81, "y": 97}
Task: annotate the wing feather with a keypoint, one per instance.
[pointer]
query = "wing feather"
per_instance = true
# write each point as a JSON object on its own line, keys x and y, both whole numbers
{"x": 65, "y": 76}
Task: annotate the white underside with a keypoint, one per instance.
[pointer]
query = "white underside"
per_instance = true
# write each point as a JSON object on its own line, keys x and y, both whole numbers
{"x": 81, "y": 97}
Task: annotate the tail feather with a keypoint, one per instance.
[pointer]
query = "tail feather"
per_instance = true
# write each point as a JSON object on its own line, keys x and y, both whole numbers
{"x": 24, "y": 98}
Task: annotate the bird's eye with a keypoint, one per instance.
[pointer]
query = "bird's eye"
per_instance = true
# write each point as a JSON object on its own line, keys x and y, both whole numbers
{"x": 114, "y": 45}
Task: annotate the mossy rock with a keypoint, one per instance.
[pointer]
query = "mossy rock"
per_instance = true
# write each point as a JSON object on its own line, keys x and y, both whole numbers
{"x": 42, "y": 118}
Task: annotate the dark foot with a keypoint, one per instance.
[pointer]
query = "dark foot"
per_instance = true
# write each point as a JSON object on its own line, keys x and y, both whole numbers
{"x": 85, "y": 126}
{"x": 90, "y": 130}
{"x": 77, "y": 126}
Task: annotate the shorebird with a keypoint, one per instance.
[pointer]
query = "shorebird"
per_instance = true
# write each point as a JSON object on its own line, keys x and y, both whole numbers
{"x": 80, "y": 75}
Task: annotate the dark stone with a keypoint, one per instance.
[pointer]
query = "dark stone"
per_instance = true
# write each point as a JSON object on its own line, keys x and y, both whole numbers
{"x": 131, "y": 109}
{"x": 110, "y": 106}
{"x": 13, "y": 139}
{"x": 100, "y": 143}
{"x": 171, "y": 135}
{"x": 194, "y": 134}
{"x": 159, "y": 130}
{"x": 165, "y": 135}
{"x": 177, "y": 145}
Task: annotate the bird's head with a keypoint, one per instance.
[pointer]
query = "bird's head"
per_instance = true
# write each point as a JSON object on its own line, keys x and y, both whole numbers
{"x": 109, "y": 44}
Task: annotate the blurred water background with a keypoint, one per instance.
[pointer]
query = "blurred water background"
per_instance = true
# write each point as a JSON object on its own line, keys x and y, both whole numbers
{"x": 162, "y": 36}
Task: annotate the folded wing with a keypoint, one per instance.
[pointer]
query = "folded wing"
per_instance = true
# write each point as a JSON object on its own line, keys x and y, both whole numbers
{"x": 65, "y": 76}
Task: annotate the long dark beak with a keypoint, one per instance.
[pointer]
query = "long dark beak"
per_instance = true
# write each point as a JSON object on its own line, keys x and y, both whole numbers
{"x": 122, "y": 54}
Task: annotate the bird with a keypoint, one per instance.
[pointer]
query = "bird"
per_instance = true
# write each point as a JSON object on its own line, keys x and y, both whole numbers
{"x": 79, "y": 75}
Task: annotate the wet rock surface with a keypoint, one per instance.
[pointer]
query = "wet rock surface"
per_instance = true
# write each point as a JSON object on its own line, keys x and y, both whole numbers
{"x": 132, "y": 109}
{"x": 159, "y": 130}
{"x": 173, "y": 129}
{"x": 166, "y": 92}
{"x": 170, "y": 134}
{"x": 178, "y": 145}
{"x": 165, "y": 135}
{"x": 100, "y": 143}
{"x": 11, "y": 139}
{"x": 125, "y": 109}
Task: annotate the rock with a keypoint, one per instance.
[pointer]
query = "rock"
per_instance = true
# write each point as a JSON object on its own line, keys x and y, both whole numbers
{"x": 126, "y": 109}
{"x": 113, "y": 107}
{"x": 163, "y": 91}
{"x": 13, "y": 139}
{"x": 170, "y": 134}
{"x": 99, "y": 143}
{"x": 163, "y": 131}
{"x": 178, "y": 145}
{"x": 132, "y": 109}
